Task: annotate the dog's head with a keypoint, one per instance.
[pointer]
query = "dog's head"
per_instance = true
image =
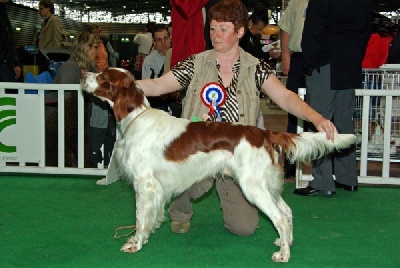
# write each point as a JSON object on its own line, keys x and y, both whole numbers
{"x": 116, "y": 86}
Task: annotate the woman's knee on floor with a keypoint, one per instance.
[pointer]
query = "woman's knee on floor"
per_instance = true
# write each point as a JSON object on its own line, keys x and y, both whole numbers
{"x": 242, "y": 227}
{"x": 240, "y": 217}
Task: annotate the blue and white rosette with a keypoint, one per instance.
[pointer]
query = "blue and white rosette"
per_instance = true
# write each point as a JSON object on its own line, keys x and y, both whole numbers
{"x": 213, "y": 95}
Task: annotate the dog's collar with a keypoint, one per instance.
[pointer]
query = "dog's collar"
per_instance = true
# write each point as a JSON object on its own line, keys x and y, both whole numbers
{"x": 130, "y": 123}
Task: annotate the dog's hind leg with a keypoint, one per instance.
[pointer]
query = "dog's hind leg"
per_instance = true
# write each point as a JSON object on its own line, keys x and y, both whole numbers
{"x": 262, "y": 198}
{"x": 288, "y": 213}
{"x": 149, "y": 212}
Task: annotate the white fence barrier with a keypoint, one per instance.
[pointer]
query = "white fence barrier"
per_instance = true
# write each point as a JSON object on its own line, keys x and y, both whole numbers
{"x": 22, "y": 139}
{"x": 22, "y": 131}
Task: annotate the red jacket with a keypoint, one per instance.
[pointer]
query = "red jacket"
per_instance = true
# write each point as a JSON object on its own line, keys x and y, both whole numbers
{"x": 188, "y": 28}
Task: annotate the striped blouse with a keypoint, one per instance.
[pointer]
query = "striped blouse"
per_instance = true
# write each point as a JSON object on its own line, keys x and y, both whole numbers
{"x": 184, "y": 71}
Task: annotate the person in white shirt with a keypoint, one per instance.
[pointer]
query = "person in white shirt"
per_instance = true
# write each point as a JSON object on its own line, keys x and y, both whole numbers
{"x": 153, "y": 67}
{"x": 291, "y": 24}
{"x": 145, "y": 42}
{"x": 153, "y": 64}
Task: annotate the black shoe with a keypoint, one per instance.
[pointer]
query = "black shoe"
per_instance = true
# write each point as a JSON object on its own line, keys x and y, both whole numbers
{"x": 346, "y": 187}
{"x": 309, "y": 191}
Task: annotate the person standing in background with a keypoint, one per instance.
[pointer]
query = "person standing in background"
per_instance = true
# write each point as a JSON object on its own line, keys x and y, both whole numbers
{"x": 102, "y": 55}
{"x": 145, "y": 42}
{"x": 82, "y": 58}
{"x": 334, "y": 41}
{"x": 168, "y": 55}
{"x": 51, "y": 31}
{"x": 153, "y": 64}
{"x": 106, "y": 56}
{"x": 291, "y": 24}
{"x": 101, "y": 130}
{"x": 153, "y": 67}
{"x": 10, "y": 70}
{"x": 394, "y": 50}
{"x": 188, "y": 19}
{"x": 251, "y": 41}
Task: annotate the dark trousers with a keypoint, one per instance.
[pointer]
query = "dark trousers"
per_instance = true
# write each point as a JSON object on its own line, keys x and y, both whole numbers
{"x": 42, "y": 62}
{"x": 296, "y": 79}
{"x": 337, "y": 105}
{"x": 99, "y": 136}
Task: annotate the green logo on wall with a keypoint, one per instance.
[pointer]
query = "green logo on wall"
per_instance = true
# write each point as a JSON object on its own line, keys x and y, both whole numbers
{"x": 7, "y": 118}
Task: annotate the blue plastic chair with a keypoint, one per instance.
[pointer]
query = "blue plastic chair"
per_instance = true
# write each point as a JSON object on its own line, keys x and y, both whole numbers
{"x": 43, "y": 78}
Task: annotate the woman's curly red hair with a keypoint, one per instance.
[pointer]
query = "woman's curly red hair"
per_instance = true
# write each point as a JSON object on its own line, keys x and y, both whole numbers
{"x": 230, "y": 11}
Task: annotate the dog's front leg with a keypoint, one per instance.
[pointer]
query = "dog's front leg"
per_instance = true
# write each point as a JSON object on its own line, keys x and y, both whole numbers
{"x": 149, "y": 206}
{"x": 135, "y": 243}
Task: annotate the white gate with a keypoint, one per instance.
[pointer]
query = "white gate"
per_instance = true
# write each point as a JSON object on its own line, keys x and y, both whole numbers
{"x": 22, "y": 116}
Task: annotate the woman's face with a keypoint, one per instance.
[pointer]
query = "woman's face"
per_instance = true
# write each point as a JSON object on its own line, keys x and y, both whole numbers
{"x": 223, "y": 36}
{"x": 92, "y": 52}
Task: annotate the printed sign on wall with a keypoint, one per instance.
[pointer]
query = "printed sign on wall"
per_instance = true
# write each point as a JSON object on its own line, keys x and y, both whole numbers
{"x": 20, "y": 128}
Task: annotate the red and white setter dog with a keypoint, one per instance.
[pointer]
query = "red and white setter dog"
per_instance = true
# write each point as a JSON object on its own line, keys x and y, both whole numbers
{"x": 162, "y": 156}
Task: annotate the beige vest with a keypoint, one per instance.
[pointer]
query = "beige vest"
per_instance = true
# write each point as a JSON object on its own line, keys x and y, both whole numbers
{"x": 205, "y": 71}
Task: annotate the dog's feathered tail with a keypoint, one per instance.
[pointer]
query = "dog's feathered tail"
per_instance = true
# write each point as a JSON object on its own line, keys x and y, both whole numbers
{"x": 309, "y": 146}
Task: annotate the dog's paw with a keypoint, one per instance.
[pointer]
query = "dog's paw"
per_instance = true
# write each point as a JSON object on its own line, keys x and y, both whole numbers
{"x": 129, "y": 247}
{"x": 280, "y": 257}
{"x": 134, "y": 244}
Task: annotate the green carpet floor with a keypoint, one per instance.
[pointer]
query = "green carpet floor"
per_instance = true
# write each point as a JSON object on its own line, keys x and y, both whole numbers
{"x": 70, "y": 222}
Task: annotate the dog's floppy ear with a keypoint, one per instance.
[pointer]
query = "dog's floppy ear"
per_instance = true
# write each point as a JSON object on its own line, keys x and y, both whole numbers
{"x": 127, "y": 98}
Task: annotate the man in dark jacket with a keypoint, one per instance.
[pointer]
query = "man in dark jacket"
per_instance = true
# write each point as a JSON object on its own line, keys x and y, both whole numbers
{"x": 394, "y": 50}
{"x": 10, "y": 70}
{"x": 334, "y": 41}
